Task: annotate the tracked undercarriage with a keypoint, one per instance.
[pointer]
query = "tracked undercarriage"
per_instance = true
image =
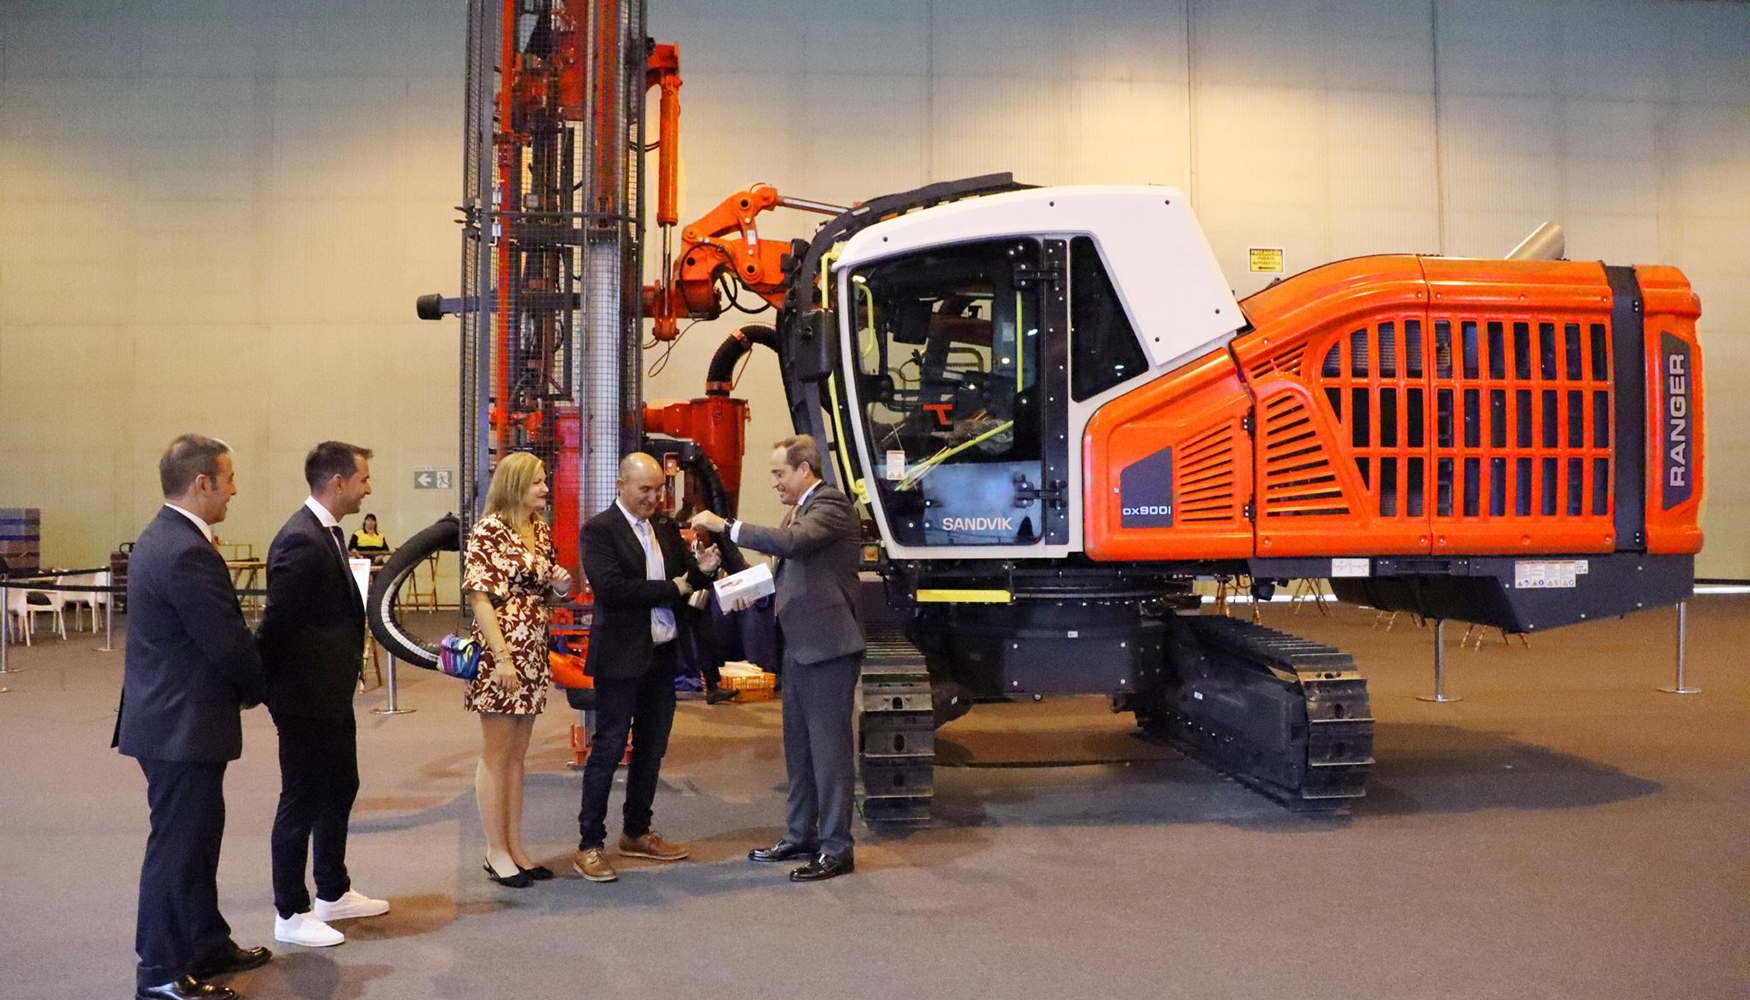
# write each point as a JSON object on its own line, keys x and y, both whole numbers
{"x": 1286, "y": 716}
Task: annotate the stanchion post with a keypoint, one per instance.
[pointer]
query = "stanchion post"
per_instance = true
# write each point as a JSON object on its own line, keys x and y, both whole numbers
{"x": 5, "y": 625}
{"x": 1682, "y": 650}
{"x": 391, "y": 708}
{"x": 108, "y": 624}
{"x": 1439, "y": 694}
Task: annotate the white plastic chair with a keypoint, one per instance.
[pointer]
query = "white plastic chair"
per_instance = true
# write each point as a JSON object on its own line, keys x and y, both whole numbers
{"x": 95, "y": 600}
{"x": 20, "y": 611}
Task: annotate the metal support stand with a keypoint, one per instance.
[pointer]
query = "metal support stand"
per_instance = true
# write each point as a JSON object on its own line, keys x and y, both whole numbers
{"x": 5, "y": 630}
{"x": 391, "y": 708}
{"x": 1682, "y": 629}
{"x": 1439, "y": 694}
{"x": 108, "y": 625}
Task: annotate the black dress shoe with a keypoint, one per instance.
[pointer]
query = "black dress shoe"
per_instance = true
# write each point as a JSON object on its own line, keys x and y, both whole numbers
{"x": 717, "y": 696}
{"x": 824, "y": 867}
{"x": 783, "y": 850}
{"x": 231, "y": 959}
{"x": 521, "y": 880}
{"x": 186, "y": 988}
{"x": 539, "y": 873}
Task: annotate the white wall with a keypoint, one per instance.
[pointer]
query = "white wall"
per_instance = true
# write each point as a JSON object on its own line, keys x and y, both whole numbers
{"x": 209, "y": 211}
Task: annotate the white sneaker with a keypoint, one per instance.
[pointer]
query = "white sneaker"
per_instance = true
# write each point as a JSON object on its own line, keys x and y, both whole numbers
{"x": 305, "y": 929}
{"x": 351, "y": 904}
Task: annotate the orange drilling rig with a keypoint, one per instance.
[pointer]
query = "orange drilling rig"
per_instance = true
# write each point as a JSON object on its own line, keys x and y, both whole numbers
{"x": 1058, "y": 418}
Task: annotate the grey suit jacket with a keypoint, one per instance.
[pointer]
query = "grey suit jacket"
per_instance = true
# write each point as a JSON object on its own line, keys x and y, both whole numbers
{"x": 818, "y": 553}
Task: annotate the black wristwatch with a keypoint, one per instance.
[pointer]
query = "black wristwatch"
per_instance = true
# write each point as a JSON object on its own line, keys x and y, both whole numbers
{"x": 728, "y": 527}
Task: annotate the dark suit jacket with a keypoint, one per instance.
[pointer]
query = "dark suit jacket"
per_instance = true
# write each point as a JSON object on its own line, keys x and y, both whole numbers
{"x": 613, "y": 560}
{"x": 313, "y": 630}
{"x": 818, "y": 554}
{"x": 191, "y": 662}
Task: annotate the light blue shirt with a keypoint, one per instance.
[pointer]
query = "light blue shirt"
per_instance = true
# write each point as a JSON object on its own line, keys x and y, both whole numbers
{"x": 662, "y": 628}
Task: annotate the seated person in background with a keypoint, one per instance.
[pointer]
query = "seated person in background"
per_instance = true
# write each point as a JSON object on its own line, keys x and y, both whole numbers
{"x": 366, "y": 541}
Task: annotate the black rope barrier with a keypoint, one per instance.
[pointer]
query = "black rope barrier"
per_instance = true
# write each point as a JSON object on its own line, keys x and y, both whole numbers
{"x": 92, "y": 588}
{"x": 38, "y": 573}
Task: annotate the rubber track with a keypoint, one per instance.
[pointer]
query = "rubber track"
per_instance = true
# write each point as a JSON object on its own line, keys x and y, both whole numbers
{"x": 896, "y": 732}
{"x": 1333, "y": 749}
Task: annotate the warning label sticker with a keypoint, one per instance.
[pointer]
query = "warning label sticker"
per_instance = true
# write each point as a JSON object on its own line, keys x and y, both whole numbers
{"x": 1541, "y": 575}
{"x": 1265, "y": 259}
{"x": 896, "y": 465}
{"x": 1350, "y": 567}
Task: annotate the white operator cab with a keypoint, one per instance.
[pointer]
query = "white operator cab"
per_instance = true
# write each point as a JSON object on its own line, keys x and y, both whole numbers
{"x": 978, "y": 338}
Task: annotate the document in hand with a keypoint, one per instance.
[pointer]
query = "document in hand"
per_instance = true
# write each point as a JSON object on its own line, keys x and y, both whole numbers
{"x": 750, "y": 584}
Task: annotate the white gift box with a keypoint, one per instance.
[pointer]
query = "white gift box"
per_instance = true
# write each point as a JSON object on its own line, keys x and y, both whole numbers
{"x": 750, "y": 584}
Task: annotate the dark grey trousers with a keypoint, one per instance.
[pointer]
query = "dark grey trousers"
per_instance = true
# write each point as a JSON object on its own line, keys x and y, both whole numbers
{"x": 179, "y": 922}
{"x": 820, "y": 750}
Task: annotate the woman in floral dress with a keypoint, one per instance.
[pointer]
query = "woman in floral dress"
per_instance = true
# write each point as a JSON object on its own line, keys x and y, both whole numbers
{"x": 510, "y": 576}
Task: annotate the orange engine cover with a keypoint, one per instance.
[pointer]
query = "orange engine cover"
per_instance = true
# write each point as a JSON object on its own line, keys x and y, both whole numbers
{"x": 1406, "y": 405}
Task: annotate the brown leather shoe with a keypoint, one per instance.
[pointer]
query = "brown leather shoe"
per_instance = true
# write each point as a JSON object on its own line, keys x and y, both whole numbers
{"x": 592, "y": 865}
{"x": 651, "y": 846}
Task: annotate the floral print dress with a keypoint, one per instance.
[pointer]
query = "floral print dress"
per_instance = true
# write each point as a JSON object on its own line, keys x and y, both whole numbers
{"x": 515, "y": 578}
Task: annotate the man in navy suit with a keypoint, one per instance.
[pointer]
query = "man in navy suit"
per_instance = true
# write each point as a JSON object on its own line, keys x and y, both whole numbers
{"x": 191, "y": 668}
{"x": 312, "y": 646}
{"x": 642, "y": 573}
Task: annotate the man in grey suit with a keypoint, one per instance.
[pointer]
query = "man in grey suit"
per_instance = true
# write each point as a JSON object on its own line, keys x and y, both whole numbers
{"x": 818, "y": 548}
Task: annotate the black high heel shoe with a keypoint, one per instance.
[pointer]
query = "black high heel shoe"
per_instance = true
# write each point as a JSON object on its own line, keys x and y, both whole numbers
{"x": 520, "y": 880}
{"x": 539, "y": 873}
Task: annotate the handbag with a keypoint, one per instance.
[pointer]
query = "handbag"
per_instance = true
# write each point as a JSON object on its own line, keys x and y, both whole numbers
{"x": 459, "y": 657}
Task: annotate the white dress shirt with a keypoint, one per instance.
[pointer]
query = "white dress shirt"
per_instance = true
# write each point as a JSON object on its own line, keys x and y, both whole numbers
{"x": 328, "y": 520}
{"x": 735, "y": 529}
{"x": 206, "y": 529}
{"x": 662, "y": 627}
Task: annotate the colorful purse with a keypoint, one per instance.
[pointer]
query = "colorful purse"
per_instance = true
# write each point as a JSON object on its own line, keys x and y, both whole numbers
{"x": 459, "y": 657}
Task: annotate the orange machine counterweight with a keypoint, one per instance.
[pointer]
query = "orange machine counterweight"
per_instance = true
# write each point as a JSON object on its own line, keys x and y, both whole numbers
{"x": 1408, "y": 405}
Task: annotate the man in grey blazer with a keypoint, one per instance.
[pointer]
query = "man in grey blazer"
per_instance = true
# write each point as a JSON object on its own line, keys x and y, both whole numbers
{"x": 818, "y": 547}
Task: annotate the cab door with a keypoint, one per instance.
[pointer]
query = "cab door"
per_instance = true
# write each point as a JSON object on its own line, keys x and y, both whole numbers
{"x": 957, "y": 390}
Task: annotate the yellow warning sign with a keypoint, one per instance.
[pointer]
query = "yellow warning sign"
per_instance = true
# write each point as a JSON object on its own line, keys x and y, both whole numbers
{"x": 1265, "y": 259}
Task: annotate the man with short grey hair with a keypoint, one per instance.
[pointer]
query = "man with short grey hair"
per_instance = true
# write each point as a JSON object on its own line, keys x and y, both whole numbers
{"x": 191, "y": 667}
{"x": 819, "y": 546}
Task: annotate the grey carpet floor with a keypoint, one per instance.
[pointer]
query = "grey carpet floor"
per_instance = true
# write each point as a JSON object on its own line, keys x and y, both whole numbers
{"x": 1564, "y": 831}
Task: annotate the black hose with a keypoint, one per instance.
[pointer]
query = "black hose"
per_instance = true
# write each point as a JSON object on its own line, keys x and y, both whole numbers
{"x": 711, "y": 484}
{"x": 442, "y": 536}
{"x": 699, "y": 466}
{"x": 722, "y": 370}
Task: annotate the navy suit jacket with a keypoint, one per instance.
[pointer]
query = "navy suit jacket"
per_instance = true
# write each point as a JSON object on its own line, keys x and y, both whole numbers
{"x": 192, "y": 664}
{"x": 313, "y": 630}
{"x": 613, "y": 561}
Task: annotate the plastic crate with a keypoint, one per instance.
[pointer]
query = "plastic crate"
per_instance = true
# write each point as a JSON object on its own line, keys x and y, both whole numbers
{"x": 750, "y": 687}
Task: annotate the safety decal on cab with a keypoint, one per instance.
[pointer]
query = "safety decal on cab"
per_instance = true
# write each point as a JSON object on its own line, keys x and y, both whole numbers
{"x": 1145, "y": 492}
{"x": 1677, "y": 421}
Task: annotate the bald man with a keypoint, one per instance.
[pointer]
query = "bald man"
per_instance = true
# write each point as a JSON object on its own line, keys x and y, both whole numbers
{"x": 642, "y": 572}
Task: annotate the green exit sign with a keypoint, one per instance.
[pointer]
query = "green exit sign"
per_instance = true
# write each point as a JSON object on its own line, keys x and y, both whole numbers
{"x": 431, "y": 479}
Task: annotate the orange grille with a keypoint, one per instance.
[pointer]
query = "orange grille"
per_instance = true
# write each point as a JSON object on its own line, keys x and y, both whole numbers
{"x": 1491, "y": 420}
{"x": 1204, "y": 478}
{"x": 1298, "y": 480}
{"x": 1375, "y": 386}
{"x": 1286, "y": 362}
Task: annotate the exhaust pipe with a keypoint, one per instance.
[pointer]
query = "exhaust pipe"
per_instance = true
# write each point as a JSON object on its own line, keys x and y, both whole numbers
{"x": 1546, "y": 242}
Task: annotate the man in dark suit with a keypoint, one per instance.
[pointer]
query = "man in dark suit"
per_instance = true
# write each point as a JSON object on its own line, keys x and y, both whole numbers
{"x": 191, "y": 668}
{"x": 818, "y": 546}
{"x": 642, "y": 573}
{"x": 312, "y": 645}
